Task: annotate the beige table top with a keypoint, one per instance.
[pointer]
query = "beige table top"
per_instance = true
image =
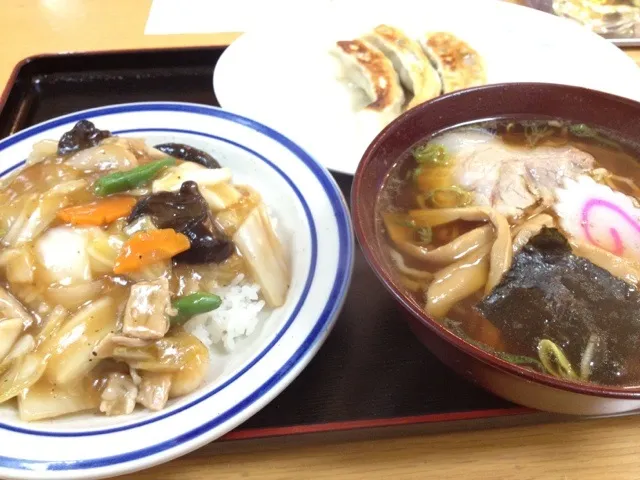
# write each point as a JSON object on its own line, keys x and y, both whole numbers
{"x": 594, "y": 449}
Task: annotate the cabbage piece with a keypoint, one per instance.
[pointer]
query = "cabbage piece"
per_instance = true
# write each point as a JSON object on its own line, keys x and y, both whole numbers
{"x": 42, "y": 150}
{"x": 45, "y": 400}
{"x": 264, "y": 256}
{"x": 170, "y": 354}
{"x": 46, "y": 338}
{"x": 174, "y": 177}
{"x": 45, "y": 213}
{"x": 12, "y": 308}
{"x": 20, "y": 265}
{"x": 22, "y": 374}
{"x": 220, "y": 196}
{"x": 72, "y": 296}
{"x": 26, "y": 365}
{"x": 78, "y": 338}
{"x": 107, "y": 156}
{"x": 26, "y": 344}
{"x": 230, "y": 219}
{"x": 213, "y": 184}
{"x": 103, "y": 249}
{"x": 29, "y": 204}
{"x": 10, "y": 330}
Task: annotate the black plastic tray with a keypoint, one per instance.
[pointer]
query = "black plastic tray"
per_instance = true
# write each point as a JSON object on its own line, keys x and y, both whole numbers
{"x": 371, "y": 376}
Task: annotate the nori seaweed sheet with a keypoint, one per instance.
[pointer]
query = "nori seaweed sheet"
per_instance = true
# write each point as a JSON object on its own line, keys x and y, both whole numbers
{"x": 551, "y": 293}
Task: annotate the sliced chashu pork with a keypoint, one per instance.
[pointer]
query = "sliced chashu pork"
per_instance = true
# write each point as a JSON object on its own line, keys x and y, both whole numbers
{"x": 146, "y": 314}
{"x": 511, "y": 179}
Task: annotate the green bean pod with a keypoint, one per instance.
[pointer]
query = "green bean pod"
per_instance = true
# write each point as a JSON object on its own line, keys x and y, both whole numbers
{"x": 134, "y": 178}
{"x": 194, "y": 304}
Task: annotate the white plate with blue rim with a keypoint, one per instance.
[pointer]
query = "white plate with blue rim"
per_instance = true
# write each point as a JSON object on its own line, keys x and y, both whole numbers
{"x": 314, "y": 225}
{"x": 284, "y": 74}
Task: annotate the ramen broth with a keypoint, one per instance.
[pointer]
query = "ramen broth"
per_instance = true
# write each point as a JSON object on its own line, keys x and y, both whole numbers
{"x": 463, "y": 207}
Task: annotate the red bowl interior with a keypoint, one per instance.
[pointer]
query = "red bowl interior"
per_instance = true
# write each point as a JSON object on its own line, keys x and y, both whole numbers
{"x": 578, "y": 105}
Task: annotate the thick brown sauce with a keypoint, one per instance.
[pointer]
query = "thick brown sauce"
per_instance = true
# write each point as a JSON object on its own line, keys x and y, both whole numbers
{"x": 41, "y": 177}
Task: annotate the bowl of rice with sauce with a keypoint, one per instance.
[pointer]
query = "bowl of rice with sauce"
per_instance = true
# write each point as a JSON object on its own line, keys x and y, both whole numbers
{"x": 168, "y": 269}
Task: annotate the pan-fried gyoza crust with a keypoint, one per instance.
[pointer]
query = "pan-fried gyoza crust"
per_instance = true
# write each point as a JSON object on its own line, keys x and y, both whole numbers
{"x": 415, "y": 71}
{"x": 459, "y": 65}
{"x": 376, "y": 74}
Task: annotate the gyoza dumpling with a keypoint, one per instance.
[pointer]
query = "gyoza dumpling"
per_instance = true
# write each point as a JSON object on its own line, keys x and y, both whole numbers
{"x": 459, "y": 65}
{"x": 416, "y": 72}
{"x": 369, "y": 69}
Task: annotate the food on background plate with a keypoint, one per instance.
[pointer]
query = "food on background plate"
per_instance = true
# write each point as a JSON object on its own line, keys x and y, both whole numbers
{"x": 386, "y": 59}
{"x": 374, "y": 73}
{"x": 416, "y": 73}
{"x": 121, "y": 265}
{"x": 521, "y": 237}
{"x": 605, "y": 17}
{"x": 459, "y": 65}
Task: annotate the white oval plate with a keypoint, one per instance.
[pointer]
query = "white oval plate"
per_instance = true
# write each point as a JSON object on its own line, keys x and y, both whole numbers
{"x": 283, "y": 76}
{"x": 313, "y": 221}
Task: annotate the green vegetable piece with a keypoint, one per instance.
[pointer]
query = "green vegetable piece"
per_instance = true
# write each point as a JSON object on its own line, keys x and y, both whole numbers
{"x": 536, "y": 133}
{"x": 431, "y": 154}
{"x": 194, "y": 304}
{"x": 522, "y": 360}
{"x": 582, "y": 130}
{"x": 134, "y": 178}
{"x": 554, "y": 360}
{"x": 408, "y": 223}
{"x": 425, "y": 234}
{"x": 439, "y": 196}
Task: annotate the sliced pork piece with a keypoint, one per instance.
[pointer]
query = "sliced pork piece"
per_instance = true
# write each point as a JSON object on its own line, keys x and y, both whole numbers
{"x": 153, "y": 391}
{"x": 548, "y": 167}
{"x": 512, "y": 190}
{"x": 119, "y": 395}
{"x": 511, "y": 179}
{"x": 147, "y": 312}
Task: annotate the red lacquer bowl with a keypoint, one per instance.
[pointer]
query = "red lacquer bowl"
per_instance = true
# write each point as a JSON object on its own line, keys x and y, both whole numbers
{"x": 505, "y": 379}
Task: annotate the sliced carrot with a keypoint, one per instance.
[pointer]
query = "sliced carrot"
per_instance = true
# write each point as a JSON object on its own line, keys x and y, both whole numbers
{"x": 146, "y": 248}
{"x": 101, "y": 212}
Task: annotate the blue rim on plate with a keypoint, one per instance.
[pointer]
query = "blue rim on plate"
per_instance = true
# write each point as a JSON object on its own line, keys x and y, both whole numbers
{"x": 303, "y": 297}
{"x": 313, "y": 340}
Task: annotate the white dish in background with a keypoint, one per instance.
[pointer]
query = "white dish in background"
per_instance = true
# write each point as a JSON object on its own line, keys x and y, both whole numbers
{"x": 313, "y": 221}
{"x": 284, "y": 76}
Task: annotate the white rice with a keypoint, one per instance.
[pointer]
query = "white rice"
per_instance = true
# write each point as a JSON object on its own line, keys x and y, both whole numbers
{"x": 237, "y": 316}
